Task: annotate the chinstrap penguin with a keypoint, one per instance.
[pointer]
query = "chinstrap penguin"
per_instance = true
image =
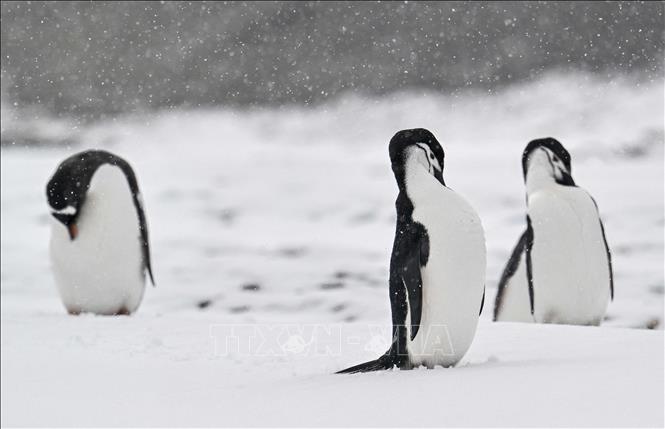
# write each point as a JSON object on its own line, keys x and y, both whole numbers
{"x": 437, "y": 267}
{"x": 99, "y": 237}
{"x": 561, "y": 268}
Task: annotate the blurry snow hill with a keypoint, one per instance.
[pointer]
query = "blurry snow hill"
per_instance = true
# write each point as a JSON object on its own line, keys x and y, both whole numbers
{"x": 91, "y": 59}
{"x": 32, "y": 126}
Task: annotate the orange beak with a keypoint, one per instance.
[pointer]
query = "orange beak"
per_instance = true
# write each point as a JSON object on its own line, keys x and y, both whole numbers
{"x": 73, "y": 231}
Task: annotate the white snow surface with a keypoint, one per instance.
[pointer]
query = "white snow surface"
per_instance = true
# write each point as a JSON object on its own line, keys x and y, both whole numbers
{"x": 163, "y": 371}
{"x": 286, "y": 218}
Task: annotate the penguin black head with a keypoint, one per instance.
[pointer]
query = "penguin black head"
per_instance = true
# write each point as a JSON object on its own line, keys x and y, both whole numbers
{"x": 430, "y": 153}
{"x": 550, "y": 154}
{"x": 67, "y": 189}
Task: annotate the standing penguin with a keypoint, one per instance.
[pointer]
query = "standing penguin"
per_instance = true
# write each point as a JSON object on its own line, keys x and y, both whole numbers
{"x": 561, "y": 269}
{"x": 99, "y": 237}
{"x": 437, "y": 267}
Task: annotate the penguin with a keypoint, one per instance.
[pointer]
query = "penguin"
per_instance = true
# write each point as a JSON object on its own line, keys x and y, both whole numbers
{"x": 437, "y": 266}
{"x": 560, "y": 271}
{"x": 99, "y": 236}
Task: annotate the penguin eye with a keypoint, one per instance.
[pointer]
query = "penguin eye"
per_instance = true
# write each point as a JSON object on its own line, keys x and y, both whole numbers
{"x": 431, "y": 156}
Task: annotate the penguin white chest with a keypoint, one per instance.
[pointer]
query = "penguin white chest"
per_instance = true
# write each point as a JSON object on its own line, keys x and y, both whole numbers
{"x": 454, "y": 276}
{"x": 101, "y": 271}
{"x": 569, "y": 260}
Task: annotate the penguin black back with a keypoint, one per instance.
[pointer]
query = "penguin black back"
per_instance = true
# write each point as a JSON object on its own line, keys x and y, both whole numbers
{"x": 67, "y": 190}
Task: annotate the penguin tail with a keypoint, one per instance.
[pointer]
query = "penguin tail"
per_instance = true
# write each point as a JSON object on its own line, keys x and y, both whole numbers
{"x": 382, "y": 363}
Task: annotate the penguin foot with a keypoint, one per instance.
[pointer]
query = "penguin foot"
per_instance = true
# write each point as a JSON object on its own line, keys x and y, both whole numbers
{"x": 123, "y": 312}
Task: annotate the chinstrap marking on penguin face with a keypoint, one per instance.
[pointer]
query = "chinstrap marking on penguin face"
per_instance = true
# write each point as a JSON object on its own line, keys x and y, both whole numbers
{"x": 543, "y": 161}
{"x": 557, "y": 163}
{"x": 422, "y": 139}
{"x": 429, "y": 161}
{"x": 549, "y": 143}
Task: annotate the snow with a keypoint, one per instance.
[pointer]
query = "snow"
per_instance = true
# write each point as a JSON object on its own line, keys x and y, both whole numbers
{"x": 163, "y": 371}
{"x": 286, "y": 216}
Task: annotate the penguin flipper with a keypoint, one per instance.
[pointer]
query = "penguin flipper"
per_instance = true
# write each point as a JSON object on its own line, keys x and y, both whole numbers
{"x": 482, "y": 303}
{"x": 509, "y": 272}
{"x": 609, "y": 260}
{"x": 412, "y": 277}
{"x": 382, "y": 363}
{"x": 528, "y": 246}
{"x": 138, "y": 204}
{"x": 607, "y": 249}
{"x": 145, "y": 244}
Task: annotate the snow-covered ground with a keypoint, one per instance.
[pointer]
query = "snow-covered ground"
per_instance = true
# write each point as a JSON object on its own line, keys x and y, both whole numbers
{"x": 286, "y": 218}
{"x": 165, "y": 371}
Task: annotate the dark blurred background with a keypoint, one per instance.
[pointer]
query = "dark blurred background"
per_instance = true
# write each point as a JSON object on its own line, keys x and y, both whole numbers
{"x": 90, "y": 59}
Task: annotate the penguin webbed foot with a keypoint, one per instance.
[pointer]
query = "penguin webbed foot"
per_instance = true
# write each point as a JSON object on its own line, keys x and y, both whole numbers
{"x": 123, "y": 312}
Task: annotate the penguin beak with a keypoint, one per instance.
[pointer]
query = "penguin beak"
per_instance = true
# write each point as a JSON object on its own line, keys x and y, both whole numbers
{"x": 73, "y": 231}
{"x": 438, "y": 174}
{"x": 565, "y": 179}
{"x": 69, "y": 222}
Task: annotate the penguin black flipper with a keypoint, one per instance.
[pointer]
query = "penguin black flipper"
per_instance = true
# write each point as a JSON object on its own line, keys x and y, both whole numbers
{"x": 482, "y": 303}
{"x": 509, "y": 272}
{"x": 145, "y": 244}
{"x": 529, "y": 266}
{"x": 411, "y": 252}
{"x": 415, "y": 243}
{"x": 138, "y": 204}
{"x": 607, "y": 249}
{"x": 609, "y": 260}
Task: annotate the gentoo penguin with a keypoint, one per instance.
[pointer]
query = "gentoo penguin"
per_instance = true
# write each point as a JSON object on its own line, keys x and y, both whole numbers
{"x": 437, "y": 267}
{"x": 561, "y": 269}
{"x": 99, "y": 237}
